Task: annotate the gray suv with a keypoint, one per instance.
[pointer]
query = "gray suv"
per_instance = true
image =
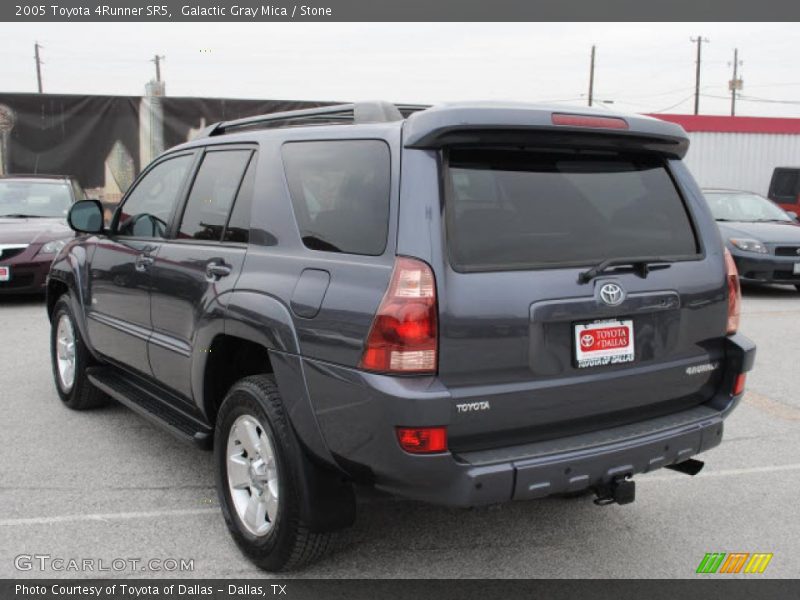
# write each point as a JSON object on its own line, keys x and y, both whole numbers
{"x": 466, "y": 304}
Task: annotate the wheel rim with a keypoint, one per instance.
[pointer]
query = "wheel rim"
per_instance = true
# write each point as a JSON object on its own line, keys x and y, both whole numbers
{"x": 65, "y": 352}
{"x": 252, "y": 475}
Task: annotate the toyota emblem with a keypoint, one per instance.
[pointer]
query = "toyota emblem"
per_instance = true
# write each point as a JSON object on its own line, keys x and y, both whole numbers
{"x": 612, "y": 294}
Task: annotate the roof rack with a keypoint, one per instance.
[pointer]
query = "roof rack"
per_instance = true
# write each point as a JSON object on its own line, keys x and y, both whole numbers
{"x": 351, "y": 113}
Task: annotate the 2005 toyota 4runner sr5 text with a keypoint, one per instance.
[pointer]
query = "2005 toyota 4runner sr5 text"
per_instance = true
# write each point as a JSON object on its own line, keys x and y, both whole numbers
{"x": 465, "y": 304}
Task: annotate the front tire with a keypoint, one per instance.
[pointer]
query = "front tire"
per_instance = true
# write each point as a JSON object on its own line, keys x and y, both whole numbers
{"x": 70, "y": 357}
{"x": 259, "y": 469}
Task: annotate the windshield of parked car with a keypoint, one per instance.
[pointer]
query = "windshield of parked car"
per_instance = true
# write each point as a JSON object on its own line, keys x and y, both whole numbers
{"x": 34, "y": 199}
{"x": 744, "y": 206}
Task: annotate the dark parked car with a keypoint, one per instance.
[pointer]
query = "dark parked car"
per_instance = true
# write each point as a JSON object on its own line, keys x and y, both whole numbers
{"x": 33, "y": 228}
{"x": 784, "y": 189}
{"x": 763, "y": 239}
{"x": 466, "y": 304}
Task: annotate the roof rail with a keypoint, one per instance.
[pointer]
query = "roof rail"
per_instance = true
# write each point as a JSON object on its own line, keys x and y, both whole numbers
{"x": 351, "y": 113}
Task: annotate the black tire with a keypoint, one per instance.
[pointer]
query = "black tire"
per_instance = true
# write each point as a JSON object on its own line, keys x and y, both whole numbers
{"x": 82, "y": 394}
{"x": 288, "y": 544}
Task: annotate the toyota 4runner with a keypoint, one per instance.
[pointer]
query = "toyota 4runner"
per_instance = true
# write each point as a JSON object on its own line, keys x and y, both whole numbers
{"x": 466, "y": 304}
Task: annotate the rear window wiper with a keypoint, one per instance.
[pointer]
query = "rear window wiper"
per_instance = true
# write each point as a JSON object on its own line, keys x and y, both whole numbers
{"x": 641, "y": 266}
{"x": 21, "y": 216}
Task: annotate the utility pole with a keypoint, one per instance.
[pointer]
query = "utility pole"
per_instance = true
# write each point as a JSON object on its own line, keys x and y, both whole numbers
{"x": 157, "y": 59}
{"x": 591, "y": 77}
{"x": 36, "y": 47}
{"x": 736, "y": 83}
{"x": 699, "y": 40}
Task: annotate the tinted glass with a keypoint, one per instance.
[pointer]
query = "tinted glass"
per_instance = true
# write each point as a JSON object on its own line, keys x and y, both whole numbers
{"x": 786, "y": 184}
{"x": 340, "y": 194}
{"x": 238, "y": 229}
{"x": 520, "y": 209}
{"x": 34, "y": 198}
{"x": 733, "y": 206}
{"x": 147, "y": 210}
{"x": 212, "y": 194}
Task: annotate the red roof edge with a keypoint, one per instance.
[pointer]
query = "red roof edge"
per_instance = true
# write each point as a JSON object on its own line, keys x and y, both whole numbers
{"x": 720, "y": 124}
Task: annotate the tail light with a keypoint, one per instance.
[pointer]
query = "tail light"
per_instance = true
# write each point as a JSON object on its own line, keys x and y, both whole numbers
{"x": 403, "y": 336}
{"x": 422, "y": 440}
{"x": 734, "y": 293}
{"x": 738, "y": 385}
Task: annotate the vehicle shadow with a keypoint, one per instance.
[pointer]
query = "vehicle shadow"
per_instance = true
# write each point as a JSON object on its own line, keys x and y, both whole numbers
{"x": 22, "y": 300}
{"x": 755, "y": 290}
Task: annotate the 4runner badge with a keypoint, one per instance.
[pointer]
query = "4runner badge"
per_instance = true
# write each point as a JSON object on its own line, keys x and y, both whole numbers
{"x": 473, "y": 406}
{"x": 698, "y": 369}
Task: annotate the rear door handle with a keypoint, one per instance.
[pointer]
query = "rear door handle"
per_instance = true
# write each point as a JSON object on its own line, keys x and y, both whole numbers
{"x": 215, "y": 270}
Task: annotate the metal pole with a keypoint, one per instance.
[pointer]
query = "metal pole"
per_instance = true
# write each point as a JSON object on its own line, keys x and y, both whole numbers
{"x": 699, "y": 41}
{"x": 38, "y": 66}
{"x": 735, "y": 81}
{"x": 591, "y": 78}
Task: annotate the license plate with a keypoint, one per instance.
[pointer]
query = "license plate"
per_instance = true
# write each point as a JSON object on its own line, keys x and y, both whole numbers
{"x": 603, "y": 343}
{"x": 797, "y": 268}
{"x": 5, "y": 273}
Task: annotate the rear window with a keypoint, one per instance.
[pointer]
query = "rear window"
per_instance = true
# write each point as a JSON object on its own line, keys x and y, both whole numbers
{"x": 513, "y": 209}
{"x": 340, "y": 194}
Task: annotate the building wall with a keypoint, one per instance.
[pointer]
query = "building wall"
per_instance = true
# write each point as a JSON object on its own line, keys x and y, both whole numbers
{"x": 740, "y": 160}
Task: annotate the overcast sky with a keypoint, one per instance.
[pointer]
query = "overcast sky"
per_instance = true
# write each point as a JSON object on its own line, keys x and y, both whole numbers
{"x": 640, "y": 67}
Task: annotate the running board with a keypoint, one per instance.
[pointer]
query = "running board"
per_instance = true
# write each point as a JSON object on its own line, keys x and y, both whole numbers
{"x": 146, "y": 400}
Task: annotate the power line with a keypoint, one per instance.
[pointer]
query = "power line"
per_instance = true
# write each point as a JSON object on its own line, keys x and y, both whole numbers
{"x": 661, "y": 110}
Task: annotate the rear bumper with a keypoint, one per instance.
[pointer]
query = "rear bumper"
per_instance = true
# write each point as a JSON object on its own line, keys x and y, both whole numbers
{"x": 358, "y": 412}
{"x": 766, "y": 268}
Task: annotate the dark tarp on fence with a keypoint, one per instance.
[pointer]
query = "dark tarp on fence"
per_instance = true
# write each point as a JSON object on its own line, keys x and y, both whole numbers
{"x": 105, "y": 141}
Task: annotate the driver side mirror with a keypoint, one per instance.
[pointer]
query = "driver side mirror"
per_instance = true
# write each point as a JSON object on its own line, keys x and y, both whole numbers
{"x": 86, "y": 216}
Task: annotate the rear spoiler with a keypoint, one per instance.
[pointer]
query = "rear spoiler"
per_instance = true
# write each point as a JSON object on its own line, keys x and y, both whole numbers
{"x": 531, "y": 125}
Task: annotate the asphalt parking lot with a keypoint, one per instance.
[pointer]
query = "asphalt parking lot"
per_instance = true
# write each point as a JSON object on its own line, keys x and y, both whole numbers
{"x": 106, "y": 484}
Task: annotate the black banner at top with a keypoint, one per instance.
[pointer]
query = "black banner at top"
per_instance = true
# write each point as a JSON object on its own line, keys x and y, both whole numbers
{"x": 398, "y": 10}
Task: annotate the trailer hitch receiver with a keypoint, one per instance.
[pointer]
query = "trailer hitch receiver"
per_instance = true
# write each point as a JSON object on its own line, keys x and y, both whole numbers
{"x": 620, "y": 491}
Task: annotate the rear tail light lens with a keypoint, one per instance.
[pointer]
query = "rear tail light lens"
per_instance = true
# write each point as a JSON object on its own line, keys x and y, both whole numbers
{"x": 738, "y": 386}
{"x": 422, "y": 440}
{"x": 589, "y": 121}
{"x": 734, "y": 293}
{"x": 403, "y": 336}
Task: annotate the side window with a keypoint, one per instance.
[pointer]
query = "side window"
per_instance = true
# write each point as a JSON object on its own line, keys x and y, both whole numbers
{"x": 148, "y": 208}
{"x": 238, "y": 228}
{"x": 212, "y": 194}
{"x": 340, "y": 194}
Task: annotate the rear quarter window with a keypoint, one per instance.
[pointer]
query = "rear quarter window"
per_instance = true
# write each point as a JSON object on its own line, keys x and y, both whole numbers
{"x": 514, "y": 209}
{"x": 340, "y": 194}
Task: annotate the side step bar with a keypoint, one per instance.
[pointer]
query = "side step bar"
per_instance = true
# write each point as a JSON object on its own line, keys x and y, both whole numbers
{"x": 147, "y": 401}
